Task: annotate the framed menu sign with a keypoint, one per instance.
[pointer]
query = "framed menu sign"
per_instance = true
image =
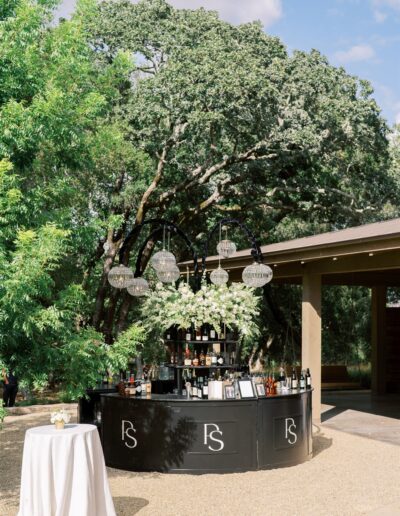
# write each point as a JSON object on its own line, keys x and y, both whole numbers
{"x": 246, "y": 389}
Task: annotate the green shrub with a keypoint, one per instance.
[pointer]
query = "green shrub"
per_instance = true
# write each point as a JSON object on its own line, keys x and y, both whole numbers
{"x": 3, "y": 413}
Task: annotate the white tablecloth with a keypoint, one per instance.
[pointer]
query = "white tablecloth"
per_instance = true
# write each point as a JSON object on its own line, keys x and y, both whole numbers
{"x": 63, "y": 473}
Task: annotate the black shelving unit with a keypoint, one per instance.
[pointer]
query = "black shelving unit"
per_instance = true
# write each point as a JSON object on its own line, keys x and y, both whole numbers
{"x": 178, "y": 345}
{"x": 223, "y": 366}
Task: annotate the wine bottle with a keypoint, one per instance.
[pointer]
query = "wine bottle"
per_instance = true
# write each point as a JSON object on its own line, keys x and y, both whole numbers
{"x": 188, "y": 335}
{"x": 195, "y": 360}
{"x": 194, "y": 389}
{"x": 294, "y": 379}
{"x": 302, "y": 380}
{"x": 138, "y": 388}
{"x": 202, "y": 359}
{"x": 205, "y": 389}
{"x": 199, "y": 390}
{"x": 198, "y": 333}
{"x": 213, "y": 333}
{"x": 213, "y": 358}
{"x": 208, "y": 359}
{"x": 220, "y": 359}
{"x": 168, "y": 334}
{"x": 204, "y": 332}
{"x": 308, "y": 379}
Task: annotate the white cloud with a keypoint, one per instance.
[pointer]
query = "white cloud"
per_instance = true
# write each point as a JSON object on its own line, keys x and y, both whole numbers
{"x": 394, "y": 4}
{"x": 379, "y": 16}
{"x": 355, "y": 53}
{"x": 238, "y": 11}
{"x": 235, "y": 11}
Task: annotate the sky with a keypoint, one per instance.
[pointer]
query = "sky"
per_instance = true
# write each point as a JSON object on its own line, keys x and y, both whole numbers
{"x": 363, "y": 36}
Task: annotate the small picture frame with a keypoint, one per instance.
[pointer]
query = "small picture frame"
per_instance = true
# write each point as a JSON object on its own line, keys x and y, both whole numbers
{"x": 229, "y": 392}
{"x": 260, "y": 390}
{"x": 246, "y": 389}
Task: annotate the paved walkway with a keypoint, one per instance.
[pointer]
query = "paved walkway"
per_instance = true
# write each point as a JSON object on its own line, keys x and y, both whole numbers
{"x": 348, "y": 476}
{"x": 360, "y": 413}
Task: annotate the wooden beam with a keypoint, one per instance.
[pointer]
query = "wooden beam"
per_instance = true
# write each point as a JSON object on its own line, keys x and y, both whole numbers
{"x": 311, "y": 337}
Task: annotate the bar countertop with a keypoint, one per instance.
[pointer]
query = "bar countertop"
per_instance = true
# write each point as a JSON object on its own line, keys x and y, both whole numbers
{"x": 182, "y": 398}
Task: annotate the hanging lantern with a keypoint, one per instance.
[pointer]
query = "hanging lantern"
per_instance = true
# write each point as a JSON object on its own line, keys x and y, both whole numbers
{"x": 219, "y": 276}
{"x": 168, "y": 275}
{"x": 120, "y": 276}
{"x": 257, "y": 275}
{"x": 163, "y": 260}
{"x": 226, "y": 248}
{"x": 138, "y": 287}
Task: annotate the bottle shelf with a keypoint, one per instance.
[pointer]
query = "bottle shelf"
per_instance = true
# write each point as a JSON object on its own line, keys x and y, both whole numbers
{"x": 223, "y": 366}
{"x": 203, "y": 342}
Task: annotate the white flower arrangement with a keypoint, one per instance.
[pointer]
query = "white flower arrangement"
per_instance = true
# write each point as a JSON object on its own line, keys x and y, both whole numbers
{"x": 60, "y": 415}
{"x": 235, "y": 305}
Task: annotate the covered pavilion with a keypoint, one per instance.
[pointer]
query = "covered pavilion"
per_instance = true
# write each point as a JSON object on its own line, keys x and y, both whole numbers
{"x": 367, "y": 256}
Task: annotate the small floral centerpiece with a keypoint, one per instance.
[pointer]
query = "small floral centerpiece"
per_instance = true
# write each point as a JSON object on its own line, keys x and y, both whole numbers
{"x": 60, "y": 418}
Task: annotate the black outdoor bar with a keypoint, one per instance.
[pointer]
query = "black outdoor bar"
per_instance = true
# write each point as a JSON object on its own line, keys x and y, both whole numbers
{"x": 170, "y": 433}
{"x": 214, "y": 417}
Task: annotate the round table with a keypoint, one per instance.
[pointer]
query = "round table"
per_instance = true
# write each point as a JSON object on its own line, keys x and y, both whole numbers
{"x": 63, "y": 473}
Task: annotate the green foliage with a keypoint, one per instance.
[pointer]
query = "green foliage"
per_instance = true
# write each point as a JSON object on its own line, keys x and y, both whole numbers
{"x": 3, "y": 413}
{"x": 128, "y": 344}
{"x": 210, "y": 118}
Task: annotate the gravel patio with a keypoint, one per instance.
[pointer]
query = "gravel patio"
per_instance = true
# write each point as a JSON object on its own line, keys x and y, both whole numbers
{"x": 349, "y": 475}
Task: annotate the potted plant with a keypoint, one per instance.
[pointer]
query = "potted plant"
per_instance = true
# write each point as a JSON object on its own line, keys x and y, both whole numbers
{"x": 60, "y": 418}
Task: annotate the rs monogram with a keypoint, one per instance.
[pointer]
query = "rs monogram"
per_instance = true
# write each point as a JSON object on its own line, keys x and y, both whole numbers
{"x": 127, "y": 434}
{"x": 210, "y": 435}
{"x": 290, "y": 434}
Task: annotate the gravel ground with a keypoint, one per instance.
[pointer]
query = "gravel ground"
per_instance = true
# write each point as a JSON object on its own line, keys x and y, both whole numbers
{"x": 349, "y": 475}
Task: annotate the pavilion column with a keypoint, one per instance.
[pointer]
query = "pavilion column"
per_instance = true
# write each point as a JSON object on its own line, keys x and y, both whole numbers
{"x": 378, "y": 340}
{"x": 311, "y": 337}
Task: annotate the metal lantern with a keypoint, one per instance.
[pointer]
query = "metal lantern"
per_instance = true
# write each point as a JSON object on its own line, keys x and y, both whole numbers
{"x": 138, "y": 287}
{"x": 120, "y": 276}
{"x": 226, "y": 248}
{"x": 168, "y": 275}
{"x": 219, "y": 276}
{"x": 257, "y": 275}
{"x": 163, "y": 260}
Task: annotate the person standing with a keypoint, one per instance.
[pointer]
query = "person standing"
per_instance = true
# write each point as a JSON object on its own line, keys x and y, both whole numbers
{"x": 10, "y": 388}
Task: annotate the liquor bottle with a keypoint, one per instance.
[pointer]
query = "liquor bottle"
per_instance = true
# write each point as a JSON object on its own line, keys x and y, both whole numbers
{"x": 220, "y": 359}
{"x": 213, "y": 333}
{"x": 205, "y": 389}
{"x": 294, "y": 379}
{"x": 194, "y": 389}
{"x": 308, "y": 379}
{"x": 208, "y": 359}
{"x": 198, "y": 333}
{"x": 204, "y": 333}
{"x": 187, "y": 360}
{"x": 282, "y": 378}
{"x": 202, "y": 359}
{"x": 195, "y": 360}
{"x": 213, "y": 358}
{"x": 188, "y": 335}
{"x": 302, "y": 380}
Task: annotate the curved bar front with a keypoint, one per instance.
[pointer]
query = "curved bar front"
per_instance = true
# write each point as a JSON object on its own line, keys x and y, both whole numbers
{"x": 170, "y": 433}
